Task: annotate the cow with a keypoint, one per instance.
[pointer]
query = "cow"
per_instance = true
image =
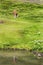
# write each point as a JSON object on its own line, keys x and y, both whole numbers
{"x": 15, "y": 13}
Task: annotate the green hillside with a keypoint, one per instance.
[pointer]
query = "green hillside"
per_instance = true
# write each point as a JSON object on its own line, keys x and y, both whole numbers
{"x": 25, "y": 31}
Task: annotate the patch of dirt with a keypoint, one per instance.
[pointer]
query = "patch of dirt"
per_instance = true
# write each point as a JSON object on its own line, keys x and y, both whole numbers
{"x": 1, "y": 21}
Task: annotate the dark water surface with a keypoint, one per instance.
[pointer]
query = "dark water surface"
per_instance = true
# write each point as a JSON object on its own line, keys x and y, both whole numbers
{"x": 22, "y": 58}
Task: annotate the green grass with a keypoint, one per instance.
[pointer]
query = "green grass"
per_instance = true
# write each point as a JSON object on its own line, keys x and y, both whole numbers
{"x": 26, "y": 31}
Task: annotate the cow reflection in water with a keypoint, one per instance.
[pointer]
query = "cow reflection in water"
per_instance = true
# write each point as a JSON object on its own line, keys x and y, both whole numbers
{"x": 14, "y": 59}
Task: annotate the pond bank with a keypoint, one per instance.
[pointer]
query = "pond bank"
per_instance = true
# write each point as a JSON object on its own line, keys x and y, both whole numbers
{"x": 20, "y": 49}
{"x": 34, "y": 52}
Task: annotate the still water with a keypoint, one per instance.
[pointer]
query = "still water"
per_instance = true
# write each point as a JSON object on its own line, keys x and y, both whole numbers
{"x": 22, "y": 58}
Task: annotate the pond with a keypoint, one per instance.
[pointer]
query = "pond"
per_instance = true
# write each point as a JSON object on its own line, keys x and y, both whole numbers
{"x": 22, "y": 58}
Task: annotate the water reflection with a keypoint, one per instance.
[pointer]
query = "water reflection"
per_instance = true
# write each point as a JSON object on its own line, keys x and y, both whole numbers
{"x": 19, "y": 58}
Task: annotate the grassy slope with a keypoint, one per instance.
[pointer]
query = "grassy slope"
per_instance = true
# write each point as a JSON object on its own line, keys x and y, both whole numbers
{"x": 26, "y": 31}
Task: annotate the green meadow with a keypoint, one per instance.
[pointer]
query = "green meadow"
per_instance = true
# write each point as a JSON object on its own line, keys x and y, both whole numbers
{"x": 25, "y": 31}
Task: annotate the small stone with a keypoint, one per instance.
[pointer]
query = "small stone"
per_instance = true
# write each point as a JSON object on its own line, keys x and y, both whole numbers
{"x": 39, "y": 55}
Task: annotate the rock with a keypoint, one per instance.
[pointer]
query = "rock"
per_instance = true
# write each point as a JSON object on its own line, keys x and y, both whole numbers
{"x": 39, "y": 55}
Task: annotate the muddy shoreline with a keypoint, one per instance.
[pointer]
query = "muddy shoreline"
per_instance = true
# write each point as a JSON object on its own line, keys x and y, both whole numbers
{"x": 19, "y": 49}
